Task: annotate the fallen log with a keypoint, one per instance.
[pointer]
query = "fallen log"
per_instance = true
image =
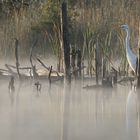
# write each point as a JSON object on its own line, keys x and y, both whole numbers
{"x": 10, "y": 70}
{"x": 48, "y": 68}
{"x": 22, "y": 68}
{"x": 3, "y": 70}
{"x": 15, "y": 73}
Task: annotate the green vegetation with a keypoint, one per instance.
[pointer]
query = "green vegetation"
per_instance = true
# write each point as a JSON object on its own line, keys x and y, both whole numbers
{"x": 91, "y": 22}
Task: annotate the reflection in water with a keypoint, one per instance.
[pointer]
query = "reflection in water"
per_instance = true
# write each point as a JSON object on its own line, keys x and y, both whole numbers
{"x": 132, "y": 110}
{"x": 65, "y": 113}
{"x": 11, "y": 95}
{"x": 11, "y": 89}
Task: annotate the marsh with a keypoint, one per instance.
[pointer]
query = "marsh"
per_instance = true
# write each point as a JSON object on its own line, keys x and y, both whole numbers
{"x": 61, "y": 112}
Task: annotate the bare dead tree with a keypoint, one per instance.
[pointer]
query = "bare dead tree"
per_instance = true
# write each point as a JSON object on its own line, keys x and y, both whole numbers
{"x": 66, "y": 41}
{"x": 16, "y": 55}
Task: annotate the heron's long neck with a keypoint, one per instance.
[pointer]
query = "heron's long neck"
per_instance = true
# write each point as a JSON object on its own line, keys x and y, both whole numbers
{"x": 127, "y": 40}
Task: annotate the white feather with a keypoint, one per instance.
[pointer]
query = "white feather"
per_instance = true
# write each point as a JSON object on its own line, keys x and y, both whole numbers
{"x": 131, "y": 57}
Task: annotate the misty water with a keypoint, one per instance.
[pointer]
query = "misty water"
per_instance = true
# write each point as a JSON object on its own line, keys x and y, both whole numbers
{"x": 61, "y": 112}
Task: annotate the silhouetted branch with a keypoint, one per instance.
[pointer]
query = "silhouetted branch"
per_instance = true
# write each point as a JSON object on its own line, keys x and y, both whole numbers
{"x": 49, "y": 77}
{"x": 16, "y": 55}
{"x": 48, "y": 68}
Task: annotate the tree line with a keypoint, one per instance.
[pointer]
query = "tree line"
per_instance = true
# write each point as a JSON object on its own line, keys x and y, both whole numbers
{"x": 90, "y": 22}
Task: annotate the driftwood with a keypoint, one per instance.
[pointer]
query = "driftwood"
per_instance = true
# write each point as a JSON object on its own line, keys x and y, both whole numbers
{"x": 16, "y": 55}
{"x": 22, "y": 68}
{"x": 50, "y": 78}
{"x": 48, "y": 68}
{"x": 3, "y": 70}
{"x": 14, "y": 73}
{"x": 10, "y": 70}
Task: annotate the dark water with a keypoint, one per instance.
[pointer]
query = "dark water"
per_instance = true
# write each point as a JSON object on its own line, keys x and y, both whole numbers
{"x": 68, "y": 113}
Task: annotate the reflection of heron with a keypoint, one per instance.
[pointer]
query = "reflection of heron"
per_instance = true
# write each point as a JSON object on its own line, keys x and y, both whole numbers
{"x": 131, "y": 57}
{"x": 132, "y": 112}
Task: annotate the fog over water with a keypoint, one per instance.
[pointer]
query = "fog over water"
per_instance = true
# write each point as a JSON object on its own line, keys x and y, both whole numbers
{"x": 68, "y": 113}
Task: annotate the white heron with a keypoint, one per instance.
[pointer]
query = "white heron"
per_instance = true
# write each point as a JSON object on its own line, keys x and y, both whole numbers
{"x": 131, "y": 57}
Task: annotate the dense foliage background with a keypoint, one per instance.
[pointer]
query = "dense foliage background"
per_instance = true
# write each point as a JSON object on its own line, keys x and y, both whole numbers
{"x": 90, "y": 22}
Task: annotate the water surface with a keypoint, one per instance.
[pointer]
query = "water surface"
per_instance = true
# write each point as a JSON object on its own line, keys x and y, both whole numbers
{"x": 60, "y": 112}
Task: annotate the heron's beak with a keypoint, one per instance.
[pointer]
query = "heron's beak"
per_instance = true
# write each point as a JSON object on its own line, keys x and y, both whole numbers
{"x": 122, "y": 26}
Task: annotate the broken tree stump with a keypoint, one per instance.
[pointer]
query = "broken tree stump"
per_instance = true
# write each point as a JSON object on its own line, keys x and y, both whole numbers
{"x": 79, "y": 61}
{"x": 49, "y": 77}
{"x": 16, "y": 55}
